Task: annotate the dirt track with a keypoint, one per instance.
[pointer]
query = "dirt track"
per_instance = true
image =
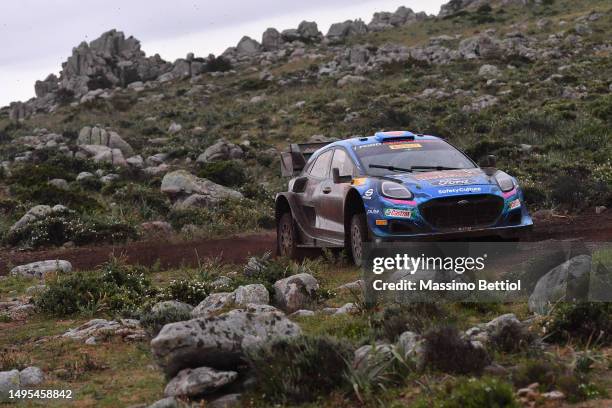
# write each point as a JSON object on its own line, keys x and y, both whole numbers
{"x": 236, "y": 249}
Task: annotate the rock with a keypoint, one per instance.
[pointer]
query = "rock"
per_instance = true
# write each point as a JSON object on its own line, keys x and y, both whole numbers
{"x": 109, "y": 178}
{"x": 248, "y": 46}
{"x": 505, "y": 320}
{"x": 35, "y": 289}
{"x": 135, "y": 161}
{"x": 84, "y": 175}
{"x": 102, "y": 137}
{"x": 357, "y": 285}
{"x": 128, "y": 329}
{"x": 489, "y": 71}
{"x": 257, "y": 99}
{"x": 181, "y": 183}
{"x": 271, "y": 40}
{"x": 554, "y": 395}
{"x": 226, "y": 401}
{"x": 222, "y": 282}
{"x": 254, "y": 293}
{"x": 37, "y": 212}
{"x": 600, "y": 209}
{"x": 103, "y": 154}
{"x": 347, "y": 308}
{"x": 213, "y": 303}
{"x": 302, "y": 313}
{"x": 31, "y": 376}
{"x": 350, "y": 80}
{"x": 59, "y": 183}
{"x": 568, "y": 281}
{"x": 174, "y": 128}
{"x": 338, "y": 32}
{"x": 309, "y": 32}
{"x": 295, "y": 292}
{"x": 480, "y": 103}
{"x": 41, "y": 268}
{"x": 369, "y": 355}
{"x": 171, "y": 306}
{"x": 219, "y": 342}
{"x": 9, "y": 380}
{"x": 46, "y": 87}
{"x": 221, "y": 150}
{"x": 156, "y": 229}
{"x": 169, "y": 402}
{"x": 202, "y": 380}
{"x": 412, "y": 345}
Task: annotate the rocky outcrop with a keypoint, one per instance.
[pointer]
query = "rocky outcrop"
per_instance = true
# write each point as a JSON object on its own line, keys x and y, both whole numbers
{"x": 41, "y": 268}
{"x": 219, "y": 342}
{"x": 221, "y": 150}
{"x": 93, "y": 330}
{"x": 182, "y": 184}
{"x": 36, "y": 213}
{"x": 202, "y": 380}
{"x": 338, "y": 32}
{"x": 402, "y": 16}
{"x": 271, "y": 40}
{"x": 99, "y": 136}
{"x": 248, "y": 46}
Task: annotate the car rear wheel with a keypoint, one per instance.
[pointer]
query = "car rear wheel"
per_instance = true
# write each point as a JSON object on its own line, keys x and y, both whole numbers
{"x": 286, "y": 236}
{"x": 358, "y": 237}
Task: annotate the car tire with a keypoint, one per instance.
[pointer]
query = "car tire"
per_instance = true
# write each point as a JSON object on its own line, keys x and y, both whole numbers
{"x": 358, "y": 236}
{"x": 286, "y": 237}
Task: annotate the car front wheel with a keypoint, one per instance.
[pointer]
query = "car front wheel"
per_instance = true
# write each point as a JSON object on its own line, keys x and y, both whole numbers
{"x": 286, "y": 237}
{"x": 358, "y": 237}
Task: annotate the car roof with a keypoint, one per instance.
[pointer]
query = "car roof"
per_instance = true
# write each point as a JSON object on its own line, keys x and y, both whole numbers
{"x": 380, "y": 137}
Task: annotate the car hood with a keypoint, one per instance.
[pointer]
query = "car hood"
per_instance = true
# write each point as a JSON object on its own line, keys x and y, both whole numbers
{"x": 445, "y": 178}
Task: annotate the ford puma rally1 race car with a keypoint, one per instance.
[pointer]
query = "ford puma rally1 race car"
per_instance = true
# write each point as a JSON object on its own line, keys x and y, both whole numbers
{"x": 392, "y": 186}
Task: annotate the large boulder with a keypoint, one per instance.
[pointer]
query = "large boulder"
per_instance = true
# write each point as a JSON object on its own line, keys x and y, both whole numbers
{"x": 213, "y": 303}
{"x": 271, "y": 40}
{"x": 100, "y": 136}
{"x": 338, "y": 32}
{"x": 36, "y": 213}
{"x": 221, "y": 150}
{"x": 9, "y": 380}
{"x": 182, "y": 183}
{"x": 568, "y": 281}
{"x": 42, "y": 268}
{"x": 31, "y": 376}
{"x": 103, "y": 154}
{"x": 219, "y": 342}
{"x": 202, "y": 380}
{"x": 248, "y": 46}
{"x": 309, "y": 32}
{"x": 251, "y": 294}
{"x": 296, "y": 292}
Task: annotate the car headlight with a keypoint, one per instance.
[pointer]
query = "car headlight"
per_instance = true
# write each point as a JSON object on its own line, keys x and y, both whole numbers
{"x": 395, "y": 190}
{"x": 504, "y": 181}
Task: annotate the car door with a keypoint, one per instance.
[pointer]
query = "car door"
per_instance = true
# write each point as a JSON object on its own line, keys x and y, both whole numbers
{"x": 332, "y": 201}
{"x": 310, "y": 199}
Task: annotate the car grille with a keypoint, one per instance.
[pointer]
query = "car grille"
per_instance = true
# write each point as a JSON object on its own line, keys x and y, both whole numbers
{"x": 463, "y": 211}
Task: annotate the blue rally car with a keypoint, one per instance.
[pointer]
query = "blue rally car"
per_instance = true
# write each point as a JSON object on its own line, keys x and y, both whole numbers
{"x": 392, "y": 186}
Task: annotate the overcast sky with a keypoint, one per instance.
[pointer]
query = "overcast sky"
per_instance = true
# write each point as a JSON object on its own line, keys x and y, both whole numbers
{"x": 38, "y": 35}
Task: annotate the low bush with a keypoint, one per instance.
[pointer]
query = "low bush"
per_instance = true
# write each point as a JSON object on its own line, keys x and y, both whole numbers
{"x": 511, "y": 338}
{"x": 472, "y": 393}
{"x": 59, "y": 228}
{"x": 395, "y": 319}
{"x": 115, "y": 288}
{"x": 149, "y": 202}
{"x": 300, "y": 370}
{"x": 191, "y": 291}
{"x": 154, "y": 321}
{"x": 582, "y": 322}
{"x": 227, "y": 172}
{"x": 446, "y": 350}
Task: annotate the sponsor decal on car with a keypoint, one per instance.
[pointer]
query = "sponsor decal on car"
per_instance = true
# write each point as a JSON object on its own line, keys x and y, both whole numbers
{"x": 368, "y": 194}
{"x": 396, "y": 212}
{"x": 360, "y": 181}
{"x": 460, "y": 190}
{"x": 514, "y": 204}
{"x": 445, "y": 174}
{"x": 395, "y": 146}
{"x": 452, "y": 182}
{"x": 373, "y": 211}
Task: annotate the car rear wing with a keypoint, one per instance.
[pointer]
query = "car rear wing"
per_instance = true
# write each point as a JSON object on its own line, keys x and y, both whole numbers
{"x": 294, "y": 160}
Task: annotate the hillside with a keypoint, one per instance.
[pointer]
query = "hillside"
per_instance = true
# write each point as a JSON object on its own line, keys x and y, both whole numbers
{"x": 158, "y": 164}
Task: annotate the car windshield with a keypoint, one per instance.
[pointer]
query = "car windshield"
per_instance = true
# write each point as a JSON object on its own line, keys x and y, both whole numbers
{"x": 380, "y": 159}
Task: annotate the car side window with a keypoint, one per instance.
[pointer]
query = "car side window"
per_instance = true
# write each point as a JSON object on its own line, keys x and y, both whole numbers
{"x": 343, "y": 162}
{"x": 320, "y": 168}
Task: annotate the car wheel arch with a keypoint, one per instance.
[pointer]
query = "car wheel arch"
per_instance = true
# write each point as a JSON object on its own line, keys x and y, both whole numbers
{"x": 353, "y": 204}
{"x": 281, "y": 207}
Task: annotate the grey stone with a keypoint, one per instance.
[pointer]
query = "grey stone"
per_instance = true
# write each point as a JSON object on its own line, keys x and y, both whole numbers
{"x": 489, "y": 71}
{"x": 171, "y": 306}
{"x": 59, "y": 183}
{"x": 567, "y": 282}
{"x": 370, "y": 355}
{"x": 202, "y": 380}
{"x": 254, "y": 293}
{"x": 219, "y": 342}
{"x": 181, "y": 182}
{"x": 226, "y": 401}
{"x": 271, "y": 40}
{"x": 84, "y": 175}
{"x": 41, "y": 268}
{"x": 9, "y": 380}
{"x": 248, "y": 46}
{"x": 31, "y": 376}
{"x": 221, "y": 150}
{"x": 102, "y": 137}
{"x": 168, "y": 402}
{"x": 213, "y": 303}
{"x": 296, "y": 292}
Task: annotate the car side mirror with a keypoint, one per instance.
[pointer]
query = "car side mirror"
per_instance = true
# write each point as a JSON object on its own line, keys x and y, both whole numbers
{"x": 338, "y": 179}
{"x": 489, "y": 161}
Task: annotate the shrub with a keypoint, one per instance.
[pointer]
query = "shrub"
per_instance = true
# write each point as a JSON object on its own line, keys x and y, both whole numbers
{"x": 301, "y": 369}
{"x": 226, "y": 172}
{"x": 191, "y": 291}
{"x": 511, "y": 338}
{"x": 395, "y": 319}
{"x": 447, "y": 351}
{"x": 116, "y": 287}
{"x": 148, "y": 201}
{"x": 584, "y": 322}
{"x": 154, "y": 321}
{"x": 543, "y": 372}
{"x": 58, "y": 228}
{"x": 472, "y": 393}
